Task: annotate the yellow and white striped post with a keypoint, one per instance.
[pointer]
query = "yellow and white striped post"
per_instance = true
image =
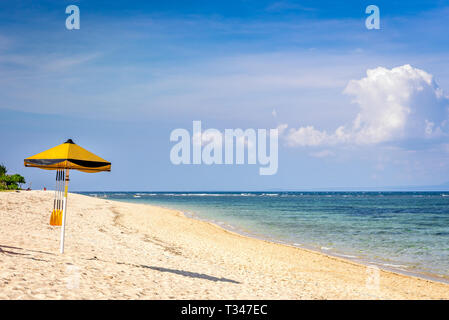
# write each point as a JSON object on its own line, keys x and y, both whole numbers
{"x": 64, "y": 210}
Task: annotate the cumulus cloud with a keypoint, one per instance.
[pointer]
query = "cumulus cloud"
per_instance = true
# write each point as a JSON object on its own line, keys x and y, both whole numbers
{"x": 396, "y": 104}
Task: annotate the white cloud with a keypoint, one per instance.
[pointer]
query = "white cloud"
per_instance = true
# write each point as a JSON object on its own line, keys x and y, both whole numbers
{"x": 398, "y": 104}
{"x": 285, "y": 6}
{"x": 46, "y": 63}
{"x": 306, "y": 136}
{"x": 322, "y": 154}
{"x": 62, "y": 64}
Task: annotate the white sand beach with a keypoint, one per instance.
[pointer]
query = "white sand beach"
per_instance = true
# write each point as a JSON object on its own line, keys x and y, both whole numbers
{"x": 118, "y": 250}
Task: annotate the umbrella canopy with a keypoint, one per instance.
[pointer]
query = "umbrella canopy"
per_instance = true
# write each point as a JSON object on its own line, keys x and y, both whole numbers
{"x": 68, "y": 156}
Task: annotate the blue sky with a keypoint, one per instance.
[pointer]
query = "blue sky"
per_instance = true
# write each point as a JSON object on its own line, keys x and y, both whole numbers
{"x": 137, "y": 70}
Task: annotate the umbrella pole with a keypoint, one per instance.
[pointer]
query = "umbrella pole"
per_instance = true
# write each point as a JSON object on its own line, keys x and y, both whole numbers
{"x": 64, "y": 210}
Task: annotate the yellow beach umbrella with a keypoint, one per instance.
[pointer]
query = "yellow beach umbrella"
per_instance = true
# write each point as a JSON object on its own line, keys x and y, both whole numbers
{"x": 63, "y": 158}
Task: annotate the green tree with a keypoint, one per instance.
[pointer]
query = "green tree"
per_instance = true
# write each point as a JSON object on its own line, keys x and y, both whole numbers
{"x": 10, "y": 181}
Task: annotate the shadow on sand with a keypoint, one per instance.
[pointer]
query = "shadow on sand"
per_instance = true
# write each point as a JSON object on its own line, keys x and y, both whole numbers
{"x": 184, "y": 273}
{"x": 24, "y": 255}
{"x": 160, "y": 269}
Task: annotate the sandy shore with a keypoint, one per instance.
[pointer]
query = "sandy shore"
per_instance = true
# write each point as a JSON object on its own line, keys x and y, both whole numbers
{"x": 121, "y": 250}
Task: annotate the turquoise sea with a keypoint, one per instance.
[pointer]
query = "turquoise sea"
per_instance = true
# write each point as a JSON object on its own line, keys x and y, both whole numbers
{"x": 403, "y": 231}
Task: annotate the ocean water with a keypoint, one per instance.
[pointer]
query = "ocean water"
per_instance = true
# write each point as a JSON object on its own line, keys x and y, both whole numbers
{"x": 404, "y": 231}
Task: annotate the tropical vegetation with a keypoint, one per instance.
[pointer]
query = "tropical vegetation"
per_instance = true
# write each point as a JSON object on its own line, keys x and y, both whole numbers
{"x": 10, "y": 181}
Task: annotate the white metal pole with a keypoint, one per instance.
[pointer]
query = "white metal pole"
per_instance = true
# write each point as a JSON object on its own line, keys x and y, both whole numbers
{"x": 64, "y": 210}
